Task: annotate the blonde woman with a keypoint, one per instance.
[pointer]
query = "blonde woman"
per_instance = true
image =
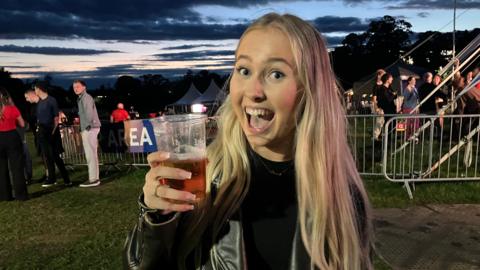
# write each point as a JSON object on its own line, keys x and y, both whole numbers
{"x": 283, "y": 192}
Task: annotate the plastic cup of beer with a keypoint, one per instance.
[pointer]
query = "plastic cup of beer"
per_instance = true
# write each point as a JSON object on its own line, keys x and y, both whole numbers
{"x": 183, "y": 136}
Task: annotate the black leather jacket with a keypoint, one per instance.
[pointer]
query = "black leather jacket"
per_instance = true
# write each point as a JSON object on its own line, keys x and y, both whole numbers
{"x": 150, "y": 246}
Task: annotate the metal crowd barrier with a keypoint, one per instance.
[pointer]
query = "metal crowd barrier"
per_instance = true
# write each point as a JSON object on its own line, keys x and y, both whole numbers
{"x": 409, "y": 149}
{"x": 366, "y": 151}
{"x": 435, "y": 148}
{"x": 74, "y": 154}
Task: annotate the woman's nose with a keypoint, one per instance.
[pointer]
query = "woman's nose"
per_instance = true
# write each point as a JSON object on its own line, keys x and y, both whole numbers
{"x": 256, "y": 91}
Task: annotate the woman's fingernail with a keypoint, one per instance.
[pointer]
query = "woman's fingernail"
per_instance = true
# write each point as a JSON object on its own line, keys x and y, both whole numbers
{"x": 192, "y": 207}
{"x": 186, "y": 175}
{"x": 193, "y": 197}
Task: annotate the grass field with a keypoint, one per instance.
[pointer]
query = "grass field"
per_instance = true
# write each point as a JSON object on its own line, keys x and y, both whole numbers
{"x": 74, "y": 228}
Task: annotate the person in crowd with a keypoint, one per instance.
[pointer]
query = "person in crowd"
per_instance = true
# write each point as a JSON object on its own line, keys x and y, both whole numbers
{"x": 119, "y": 115}
{"x": 33, "y": 99}
{"x": 441, "y": 98}
{"x": 386, "y": 96}
{"x": 379, "y": 120}
{"x": 430, "y": 106}
{"x": 89, "y": 128}
{"x": 472, "y": 102}
{"x": 49, "y": 135}
{"x": 133, "y": 113}
{"x": 475, "y": 73}
{"x": 410, "y": 101}
{"x": 11, "y": 151}
{"x": 469, "y": 77}
{"x": 62, "y": 118}
{"x": 283, "y": 191}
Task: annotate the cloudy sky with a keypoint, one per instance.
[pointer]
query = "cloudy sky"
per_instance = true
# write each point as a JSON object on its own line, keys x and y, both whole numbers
{"x": 101, "y": 40}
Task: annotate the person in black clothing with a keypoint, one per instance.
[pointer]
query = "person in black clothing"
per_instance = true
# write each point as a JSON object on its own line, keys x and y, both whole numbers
{"x": 379, "y": 120}
{"x": 429, "y": 106}
{"x": 386, "y": 95}
{"x": 49, "y": 135}
{"x": 31, "y": 119}
{"x": 277, "y": 217}
{"x": 283, "y": 191}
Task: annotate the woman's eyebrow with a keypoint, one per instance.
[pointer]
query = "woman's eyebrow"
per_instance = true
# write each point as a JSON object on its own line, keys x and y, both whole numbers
{"x": 269, "y": 60}
{"x": 279, "y": 59}
{"x": 243, "y": 56}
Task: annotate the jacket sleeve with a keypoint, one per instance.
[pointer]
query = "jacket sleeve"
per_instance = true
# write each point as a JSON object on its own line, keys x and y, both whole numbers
{"x": 150, "y": 244}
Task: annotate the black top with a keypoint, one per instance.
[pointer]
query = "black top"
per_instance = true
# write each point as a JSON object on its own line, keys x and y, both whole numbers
{"x": 47, "y": 110}
{"x": 429, "y": 107}
{"x": 31, "y": 116}
{"x": 376, "y": 89}
{"x": 385, "y": 98}
{"x": 269, "y": 213}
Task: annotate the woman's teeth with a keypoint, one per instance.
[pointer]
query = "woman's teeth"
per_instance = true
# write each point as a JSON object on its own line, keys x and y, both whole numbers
{"x": 259, "y": 118}
{"x": 259, "y": 113}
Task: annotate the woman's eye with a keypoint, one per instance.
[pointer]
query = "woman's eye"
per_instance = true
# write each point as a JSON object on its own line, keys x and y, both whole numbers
{"x": 243, "y": 71}
{"x": 276, "y": 75}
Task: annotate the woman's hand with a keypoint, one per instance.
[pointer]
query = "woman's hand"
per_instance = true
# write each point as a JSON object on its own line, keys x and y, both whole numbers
{"x": 157, "y": 194}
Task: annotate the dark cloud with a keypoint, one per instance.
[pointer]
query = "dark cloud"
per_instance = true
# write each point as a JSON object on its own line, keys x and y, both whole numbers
{"x": 47, "y": 24}
{"x": 329, "y": 24}
{"x": 20, "y": 67}
{"x": 119, "y": 19}
{"x": 434, "y": 4}
{"x": 423, "y": 14}
{"x": 221, "y": 63}
{"x": 140, "y": 21}
{"x": 195, "y": 55}
{"x": 192, "y": 46}
{"x": 52, "y": 50}
{"x": 143, "y": 42}
{"x": 214, "y": 66}
{"x": 334, "y": 41}
{"x": 145, "y": 30}
{"x": 108, "y": 75}
{"x": 115, "y": 71}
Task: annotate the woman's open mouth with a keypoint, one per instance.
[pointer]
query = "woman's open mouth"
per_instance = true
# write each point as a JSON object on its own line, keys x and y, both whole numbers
{"x": 259, "y": 119}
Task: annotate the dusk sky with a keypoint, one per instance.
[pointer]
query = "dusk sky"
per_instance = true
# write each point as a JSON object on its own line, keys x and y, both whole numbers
{"x": 101, "y": 40}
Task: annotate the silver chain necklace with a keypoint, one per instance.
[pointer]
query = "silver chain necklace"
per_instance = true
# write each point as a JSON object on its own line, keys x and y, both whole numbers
{"x": 270, "y": 171}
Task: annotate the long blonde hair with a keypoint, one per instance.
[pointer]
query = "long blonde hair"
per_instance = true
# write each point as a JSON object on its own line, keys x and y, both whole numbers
{"x": 327, "y": 182}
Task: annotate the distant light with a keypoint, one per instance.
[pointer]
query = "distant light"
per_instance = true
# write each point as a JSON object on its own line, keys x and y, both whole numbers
{"x": 198, "y": 108}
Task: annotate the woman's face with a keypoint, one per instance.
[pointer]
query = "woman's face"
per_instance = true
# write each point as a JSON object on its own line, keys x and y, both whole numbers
{"x": 390, "y": 80}
{"x": 412, "y": 82}
{"x": 263, "y": 92}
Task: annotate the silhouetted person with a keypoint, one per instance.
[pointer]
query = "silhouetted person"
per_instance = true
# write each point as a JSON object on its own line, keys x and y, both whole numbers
{"x": 386, "y": 96}
{"x": 49, "y": 135}
{"x": 33, "y": 99}
{"x": 11, "y": 150}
